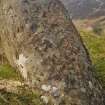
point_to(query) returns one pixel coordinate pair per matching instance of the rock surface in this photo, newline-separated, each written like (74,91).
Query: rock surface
(40,40)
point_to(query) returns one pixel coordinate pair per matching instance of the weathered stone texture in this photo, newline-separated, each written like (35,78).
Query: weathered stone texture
(39,39)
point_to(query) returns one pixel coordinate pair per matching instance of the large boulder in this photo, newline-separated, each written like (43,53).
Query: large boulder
(40,40)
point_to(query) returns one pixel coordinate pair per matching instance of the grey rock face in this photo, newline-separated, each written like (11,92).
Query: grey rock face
(40,40)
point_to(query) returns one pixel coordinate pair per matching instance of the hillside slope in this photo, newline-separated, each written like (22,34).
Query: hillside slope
(85,8)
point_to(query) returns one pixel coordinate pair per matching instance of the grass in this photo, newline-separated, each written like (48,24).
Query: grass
(25,97)
(8,72)
(96,47)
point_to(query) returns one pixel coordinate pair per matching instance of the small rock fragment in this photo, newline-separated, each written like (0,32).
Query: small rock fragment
(83,90)
(55,92)
(45,99)
(46,87)
(90,85)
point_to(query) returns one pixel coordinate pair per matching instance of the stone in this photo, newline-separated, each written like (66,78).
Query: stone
(55,92)
(46,88)
(45,99)
(90,85)
(39,39)
(83,90)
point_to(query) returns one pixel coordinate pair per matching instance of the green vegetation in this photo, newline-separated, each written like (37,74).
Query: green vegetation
(25,97)
(96,47)
(98,29)
(7,72)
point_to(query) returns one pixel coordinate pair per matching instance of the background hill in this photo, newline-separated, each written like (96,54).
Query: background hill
(85,8)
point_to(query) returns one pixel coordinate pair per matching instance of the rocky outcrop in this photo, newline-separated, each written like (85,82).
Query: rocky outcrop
(40,40)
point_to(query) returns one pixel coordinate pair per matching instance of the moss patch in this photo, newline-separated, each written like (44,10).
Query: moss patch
(7,72)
